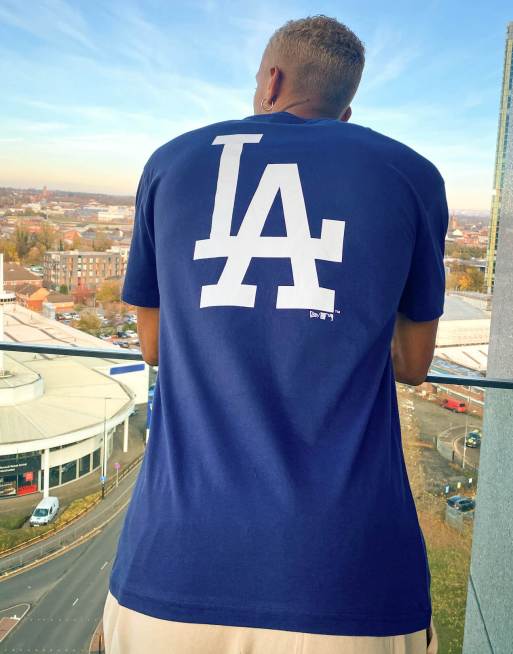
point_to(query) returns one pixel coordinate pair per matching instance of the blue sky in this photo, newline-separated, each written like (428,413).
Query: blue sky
(90,89)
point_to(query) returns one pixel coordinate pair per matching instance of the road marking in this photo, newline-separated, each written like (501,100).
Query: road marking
(75,602)
(106,563)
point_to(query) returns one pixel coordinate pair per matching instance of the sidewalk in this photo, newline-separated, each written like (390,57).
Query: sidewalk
(90,482)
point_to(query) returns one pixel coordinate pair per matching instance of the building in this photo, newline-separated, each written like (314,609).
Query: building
(15,275)
(31,296)
(75,269)
(504,133)
(489,605)
(56,411)
(115,214)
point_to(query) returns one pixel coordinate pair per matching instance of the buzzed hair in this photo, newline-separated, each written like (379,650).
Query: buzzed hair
(322,57)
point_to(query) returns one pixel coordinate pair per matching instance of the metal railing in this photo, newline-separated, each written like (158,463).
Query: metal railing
(107,353)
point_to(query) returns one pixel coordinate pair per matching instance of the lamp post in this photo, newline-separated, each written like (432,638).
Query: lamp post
(466,431)
(104,458)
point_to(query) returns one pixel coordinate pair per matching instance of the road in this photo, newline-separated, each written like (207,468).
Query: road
(95,516)
(66,595)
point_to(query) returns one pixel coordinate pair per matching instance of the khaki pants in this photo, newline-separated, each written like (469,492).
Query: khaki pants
(130,632)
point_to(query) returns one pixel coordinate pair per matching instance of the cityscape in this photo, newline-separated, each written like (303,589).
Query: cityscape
(76,399)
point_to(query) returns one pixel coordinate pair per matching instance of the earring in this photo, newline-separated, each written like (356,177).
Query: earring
(266,108)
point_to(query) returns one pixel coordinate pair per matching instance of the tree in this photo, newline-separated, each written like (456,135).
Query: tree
(109,291)
(476,280)
(23,242)
(8,247)
(81,295)
(89,322)
(47,236)
(77,243)
(101,242)
(34,256)
(63,289)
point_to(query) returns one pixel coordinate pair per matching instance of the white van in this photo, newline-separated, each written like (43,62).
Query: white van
(45,511)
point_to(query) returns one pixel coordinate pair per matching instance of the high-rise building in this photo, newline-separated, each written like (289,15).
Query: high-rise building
(504,133)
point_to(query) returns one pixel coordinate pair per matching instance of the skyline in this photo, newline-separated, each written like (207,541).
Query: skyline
(91,92)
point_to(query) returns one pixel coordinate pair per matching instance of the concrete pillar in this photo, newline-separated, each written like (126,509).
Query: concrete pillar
(46,468)
(125,435)
(488,623)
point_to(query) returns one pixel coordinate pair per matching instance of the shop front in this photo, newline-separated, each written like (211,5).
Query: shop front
(19,473)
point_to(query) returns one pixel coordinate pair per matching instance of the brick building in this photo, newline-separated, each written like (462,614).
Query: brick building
(77,269)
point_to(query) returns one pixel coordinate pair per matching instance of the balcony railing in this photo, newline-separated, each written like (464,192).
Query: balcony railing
(106,353)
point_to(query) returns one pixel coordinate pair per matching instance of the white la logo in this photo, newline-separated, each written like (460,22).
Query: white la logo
(298,245)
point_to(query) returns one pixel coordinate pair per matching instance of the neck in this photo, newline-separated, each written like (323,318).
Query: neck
(305,112)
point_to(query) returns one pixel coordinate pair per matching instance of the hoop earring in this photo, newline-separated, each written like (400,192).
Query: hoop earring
(266,108)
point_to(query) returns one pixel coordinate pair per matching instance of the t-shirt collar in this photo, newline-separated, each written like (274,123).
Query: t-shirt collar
(277,117)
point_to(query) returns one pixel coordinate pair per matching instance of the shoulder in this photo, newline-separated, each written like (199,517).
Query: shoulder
(414,167)
(184,143)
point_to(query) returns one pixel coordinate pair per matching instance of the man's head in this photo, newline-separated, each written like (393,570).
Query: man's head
(313,64)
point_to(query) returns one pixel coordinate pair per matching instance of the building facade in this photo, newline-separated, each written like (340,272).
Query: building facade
(76,269)
(503,136)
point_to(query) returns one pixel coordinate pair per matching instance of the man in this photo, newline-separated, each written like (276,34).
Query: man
(288,269)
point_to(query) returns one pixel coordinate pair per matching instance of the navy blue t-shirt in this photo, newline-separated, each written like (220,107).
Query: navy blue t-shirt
(273,491)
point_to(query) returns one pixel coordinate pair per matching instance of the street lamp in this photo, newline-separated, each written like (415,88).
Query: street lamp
(104,461)
(466,431)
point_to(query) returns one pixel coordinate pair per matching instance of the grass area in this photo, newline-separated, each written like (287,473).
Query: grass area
(12,532)
(449,561)
(449,550)
(12,521)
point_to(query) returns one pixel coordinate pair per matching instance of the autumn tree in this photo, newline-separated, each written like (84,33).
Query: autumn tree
(47,236)
(89,322)
(8,248)
(101,242)
(109,291)
(34,255)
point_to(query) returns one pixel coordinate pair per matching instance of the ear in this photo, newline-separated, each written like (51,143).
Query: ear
(274,82)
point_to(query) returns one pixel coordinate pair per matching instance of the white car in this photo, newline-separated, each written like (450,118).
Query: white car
(45,511)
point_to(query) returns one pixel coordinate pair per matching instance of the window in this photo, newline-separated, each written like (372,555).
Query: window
(54,476)
(68,471)
(96,458)
(84,465)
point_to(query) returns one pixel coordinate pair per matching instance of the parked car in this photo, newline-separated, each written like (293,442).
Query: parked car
(454,499)
(461,503)
(465,505)
(45,511)
(473,438)
(454,405)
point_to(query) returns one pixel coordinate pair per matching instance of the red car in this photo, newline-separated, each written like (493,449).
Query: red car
(454,405)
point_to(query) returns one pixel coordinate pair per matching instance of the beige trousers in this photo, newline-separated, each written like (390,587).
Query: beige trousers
(130,632)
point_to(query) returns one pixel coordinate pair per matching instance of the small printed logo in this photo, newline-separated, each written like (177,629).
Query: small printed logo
(323,315)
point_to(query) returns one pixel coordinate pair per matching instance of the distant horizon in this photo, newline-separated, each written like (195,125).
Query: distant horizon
(131,195)
(91,91)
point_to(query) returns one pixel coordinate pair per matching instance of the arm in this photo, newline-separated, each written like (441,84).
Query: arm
(148,332)
(413,345)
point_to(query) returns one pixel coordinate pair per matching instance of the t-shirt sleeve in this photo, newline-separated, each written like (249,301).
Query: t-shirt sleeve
(140,286)
(423,295)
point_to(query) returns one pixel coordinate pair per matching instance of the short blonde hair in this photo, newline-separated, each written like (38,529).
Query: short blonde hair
(323,58)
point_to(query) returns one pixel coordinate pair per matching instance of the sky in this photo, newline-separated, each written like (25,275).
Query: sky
(90,89)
